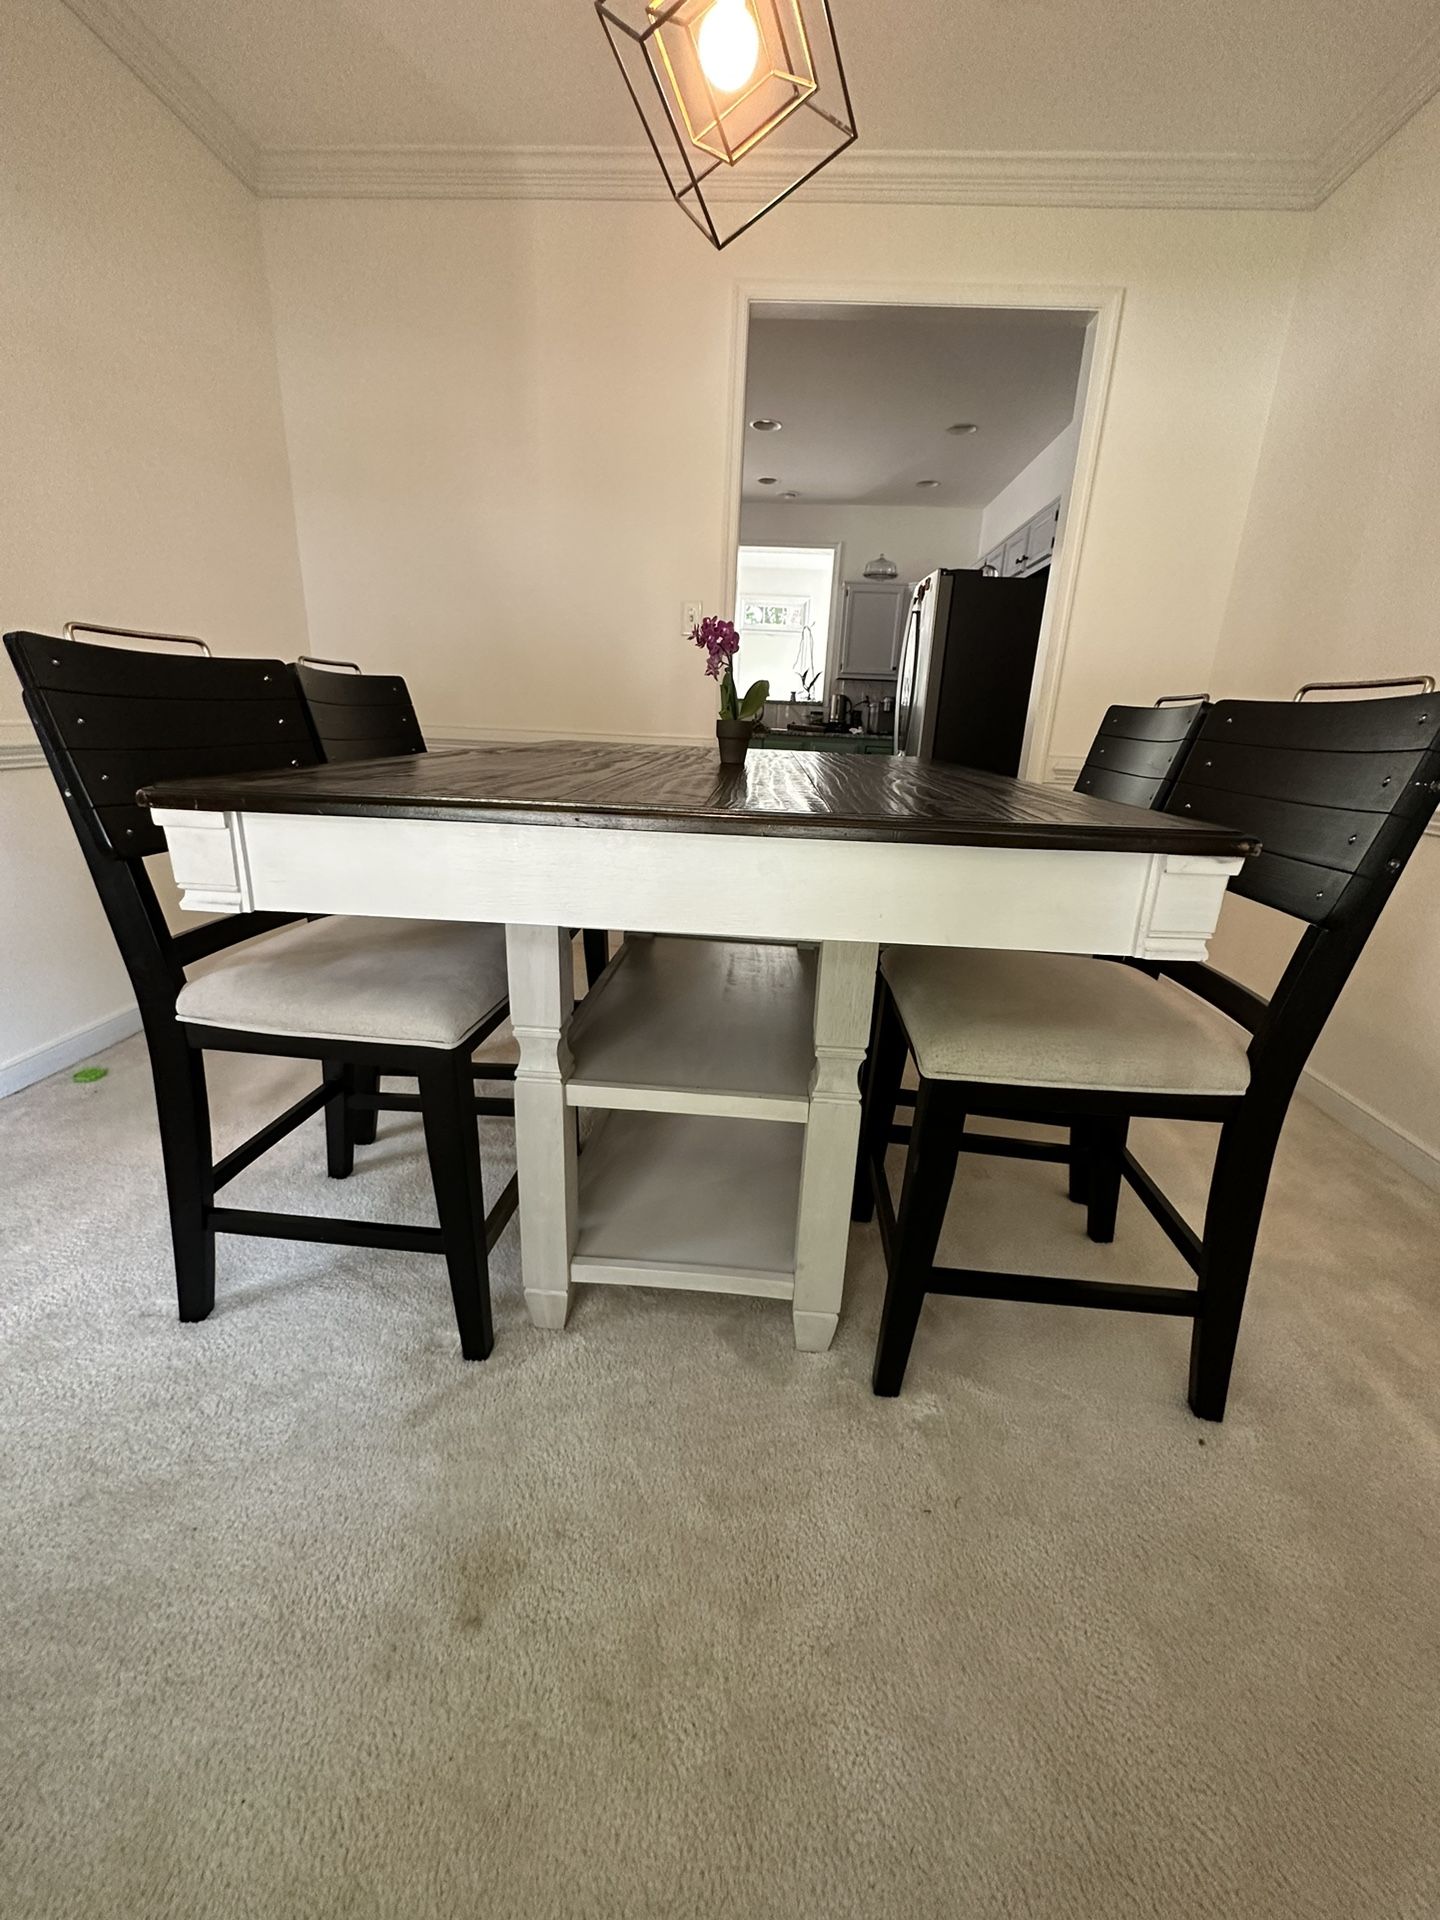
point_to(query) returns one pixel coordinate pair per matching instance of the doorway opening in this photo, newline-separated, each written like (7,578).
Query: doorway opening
(919,442)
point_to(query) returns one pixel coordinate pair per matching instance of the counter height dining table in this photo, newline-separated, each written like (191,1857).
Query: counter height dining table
(723,1069)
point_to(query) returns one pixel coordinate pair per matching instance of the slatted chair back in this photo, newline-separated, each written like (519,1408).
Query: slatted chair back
(355,715)
(110,720)
(1339,793)
(1138,751)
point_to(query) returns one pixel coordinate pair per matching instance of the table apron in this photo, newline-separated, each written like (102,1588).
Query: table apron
(1162,906)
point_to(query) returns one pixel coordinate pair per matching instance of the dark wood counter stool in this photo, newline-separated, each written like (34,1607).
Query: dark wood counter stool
(1339,793)
(355,995)
(1135,757)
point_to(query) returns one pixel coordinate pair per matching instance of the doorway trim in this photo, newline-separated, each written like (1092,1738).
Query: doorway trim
(1097,366)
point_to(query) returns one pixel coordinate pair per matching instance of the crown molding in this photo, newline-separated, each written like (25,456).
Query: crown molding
(865,176)
(171,82)
(1380,118)
(869,177)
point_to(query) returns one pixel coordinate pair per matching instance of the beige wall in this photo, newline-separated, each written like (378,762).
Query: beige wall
(1339,575)
(1047,478)
(146,478)
(917,539)
(509,428)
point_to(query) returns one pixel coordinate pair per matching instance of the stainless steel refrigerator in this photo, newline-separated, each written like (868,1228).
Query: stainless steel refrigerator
(967,667)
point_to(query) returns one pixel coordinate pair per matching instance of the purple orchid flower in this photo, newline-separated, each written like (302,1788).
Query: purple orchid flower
(720,641)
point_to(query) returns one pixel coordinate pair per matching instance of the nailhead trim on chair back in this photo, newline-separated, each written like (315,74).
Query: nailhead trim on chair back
(112,719)
(1338,792)
(359,716)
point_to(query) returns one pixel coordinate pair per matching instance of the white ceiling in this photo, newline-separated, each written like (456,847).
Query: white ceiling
(1249,101)
(864,396)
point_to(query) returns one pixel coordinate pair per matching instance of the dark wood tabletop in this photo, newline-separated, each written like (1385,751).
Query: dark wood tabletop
(685,789)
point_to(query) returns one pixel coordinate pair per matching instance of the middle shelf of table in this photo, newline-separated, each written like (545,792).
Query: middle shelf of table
(721,1027)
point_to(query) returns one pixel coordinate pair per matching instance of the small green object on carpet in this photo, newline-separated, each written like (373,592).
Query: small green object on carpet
(87,1074)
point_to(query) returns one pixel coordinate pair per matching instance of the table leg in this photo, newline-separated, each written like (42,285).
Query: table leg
(844,994)
(541,966)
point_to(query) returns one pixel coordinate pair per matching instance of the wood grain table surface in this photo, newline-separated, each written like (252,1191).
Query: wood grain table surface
(685,789)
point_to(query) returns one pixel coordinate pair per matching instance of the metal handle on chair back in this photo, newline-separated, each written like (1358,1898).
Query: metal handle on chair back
(72,627)
(1422,682)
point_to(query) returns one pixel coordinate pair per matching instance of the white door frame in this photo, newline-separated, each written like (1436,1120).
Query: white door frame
(1103,302)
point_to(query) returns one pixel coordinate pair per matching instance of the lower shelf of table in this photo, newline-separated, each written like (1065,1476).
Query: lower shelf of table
(690,1201)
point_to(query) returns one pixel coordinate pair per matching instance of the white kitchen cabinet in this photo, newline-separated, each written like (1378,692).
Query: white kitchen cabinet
(1027,549)
(1041,542)
(872,623)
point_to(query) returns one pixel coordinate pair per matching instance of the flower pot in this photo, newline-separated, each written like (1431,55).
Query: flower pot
(733,737)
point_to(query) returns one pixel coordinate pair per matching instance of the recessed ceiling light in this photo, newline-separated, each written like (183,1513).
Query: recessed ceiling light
(927,483)
(766,425)
(962,426)
(766,480)
(789,496)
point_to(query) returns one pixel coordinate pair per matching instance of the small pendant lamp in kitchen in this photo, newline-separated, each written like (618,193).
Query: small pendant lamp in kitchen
(743,101)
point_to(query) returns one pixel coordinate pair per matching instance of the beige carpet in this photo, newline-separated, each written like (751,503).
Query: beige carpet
(299,1616)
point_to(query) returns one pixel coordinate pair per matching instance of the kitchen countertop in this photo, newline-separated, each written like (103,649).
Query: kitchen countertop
(818,740)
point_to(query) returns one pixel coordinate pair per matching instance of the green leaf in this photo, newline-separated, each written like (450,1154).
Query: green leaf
(754,700)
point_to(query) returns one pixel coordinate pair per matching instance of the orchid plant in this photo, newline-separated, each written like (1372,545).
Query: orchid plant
(721,643)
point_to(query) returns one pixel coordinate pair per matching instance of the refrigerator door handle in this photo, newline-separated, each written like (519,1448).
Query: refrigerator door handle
(904,680)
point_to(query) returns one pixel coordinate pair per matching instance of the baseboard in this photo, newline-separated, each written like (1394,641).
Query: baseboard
(26,1068)
(1394,1142)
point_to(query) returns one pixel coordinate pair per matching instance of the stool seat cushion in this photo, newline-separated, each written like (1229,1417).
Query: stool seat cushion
(412,983)
(1060,1020)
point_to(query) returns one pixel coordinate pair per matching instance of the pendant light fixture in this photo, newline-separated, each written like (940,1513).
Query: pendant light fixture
(742,101)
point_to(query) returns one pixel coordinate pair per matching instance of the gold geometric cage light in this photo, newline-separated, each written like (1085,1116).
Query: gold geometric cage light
(742,100)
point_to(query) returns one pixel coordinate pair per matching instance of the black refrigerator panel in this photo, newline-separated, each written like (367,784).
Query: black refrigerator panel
(982,670)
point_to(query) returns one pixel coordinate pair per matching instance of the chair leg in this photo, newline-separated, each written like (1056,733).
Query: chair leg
(447,1099)
(339,1139)
(1104,1144)
(1232,1225)
(363,1121)
(929,1176)
(595,944)
(183,1110)
(885,1069)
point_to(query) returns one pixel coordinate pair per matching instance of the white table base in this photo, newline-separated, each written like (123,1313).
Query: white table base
(846,896)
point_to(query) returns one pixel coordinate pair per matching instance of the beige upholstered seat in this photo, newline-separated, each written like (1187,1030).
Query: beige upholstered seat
(420,983)
(1060,1020)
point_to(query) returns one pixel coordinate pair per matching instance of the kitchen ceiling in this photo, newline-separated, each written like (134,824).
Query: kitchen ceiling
(864,396)
(1246,101)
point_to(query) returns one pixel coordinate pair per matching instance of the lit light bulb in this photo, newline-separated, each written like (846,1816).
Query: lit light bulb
(729,45)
